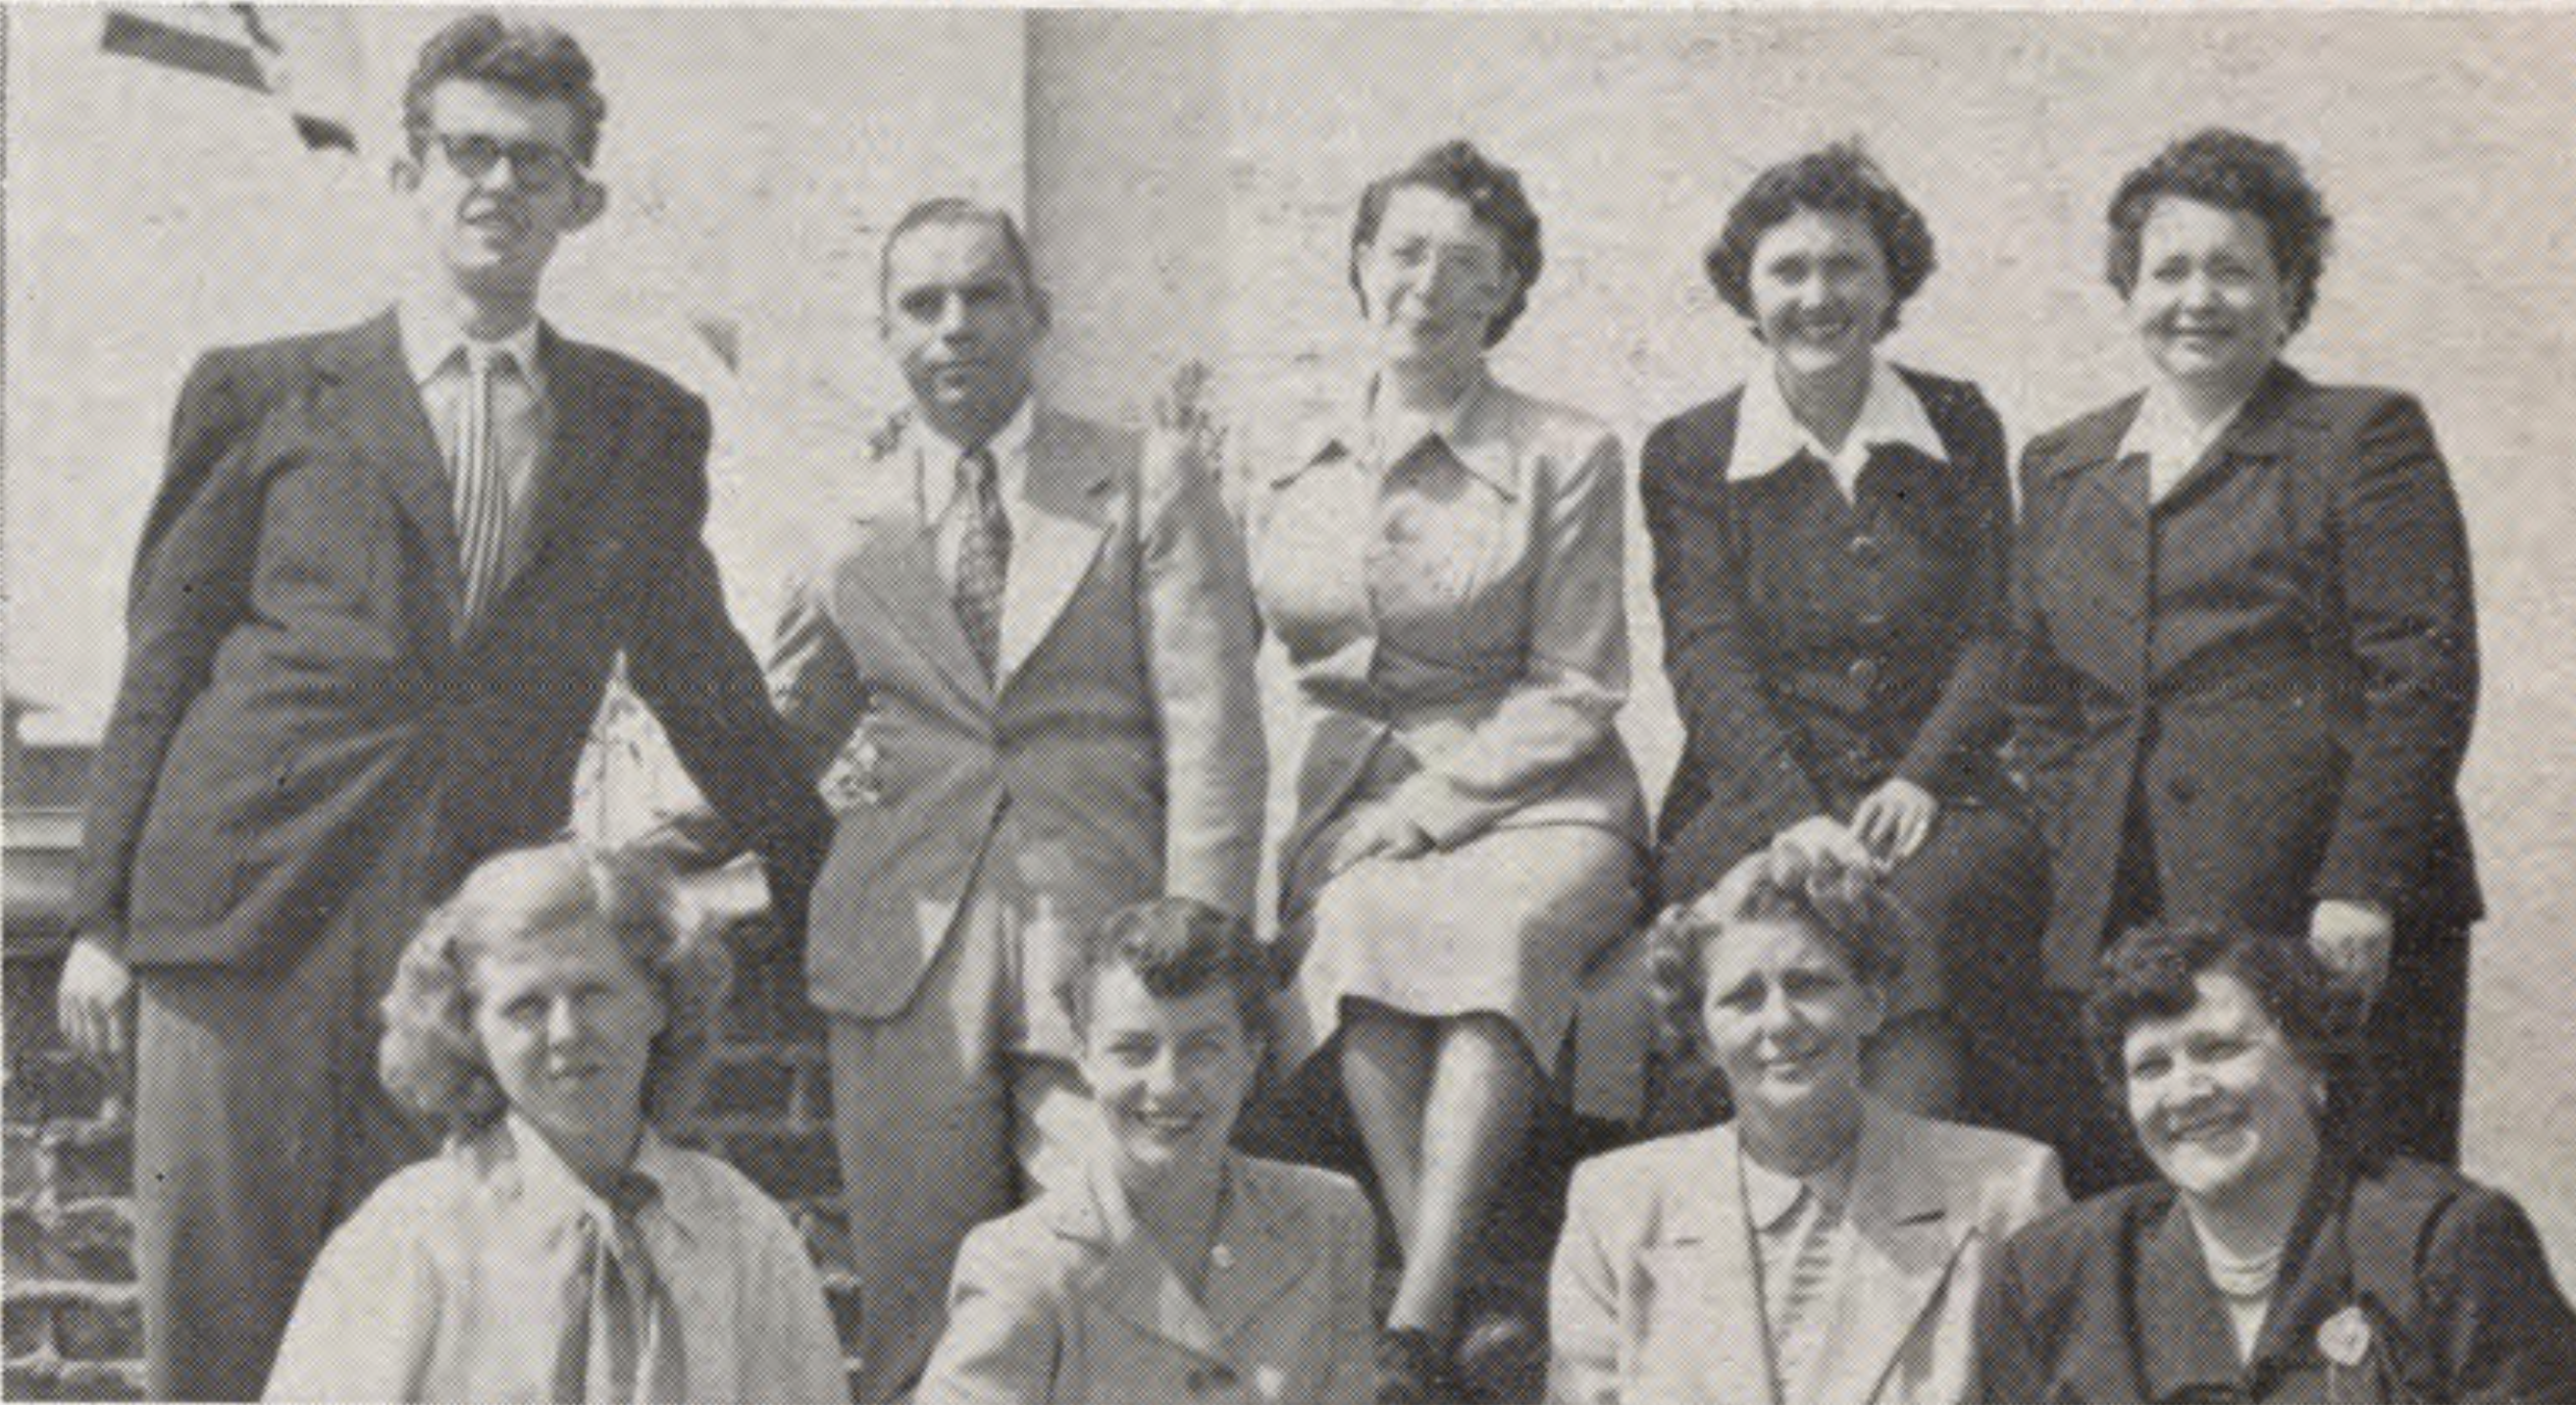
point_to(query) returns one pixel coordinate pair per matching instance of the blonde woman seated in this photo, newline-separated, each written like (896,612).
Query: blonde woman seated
(1823,1246)
(1172,1269)
(559,1249)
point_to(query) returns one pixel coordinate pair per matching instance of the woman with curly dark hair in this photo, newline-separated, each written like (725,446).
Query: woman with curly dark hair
(2248,645)
(1831,558)
(558,1248)
(1824,1245)
(2274,1256)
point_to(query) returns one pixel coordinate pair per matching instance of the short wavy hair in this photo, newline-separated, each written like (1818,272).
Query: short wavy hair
(1839,180)
(1490,190)
(2231,171)
(521,56)
(1847,908)
(431,1059)
(1178,947)
(2152,973)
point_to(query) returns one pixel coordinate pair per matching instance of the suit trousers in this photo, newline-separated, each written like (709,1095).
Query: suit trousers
(946,1115)
(260,1124)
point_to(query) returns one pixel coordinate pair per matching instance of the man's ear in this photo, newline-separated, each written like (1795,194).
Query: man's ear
(1039,305)
(403,174)
(589,202)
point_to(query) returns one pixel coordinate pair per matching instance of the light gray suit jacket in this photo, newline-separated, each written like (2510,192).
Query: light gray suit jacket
(1065,1301)
(1118,757)
(1654,1300)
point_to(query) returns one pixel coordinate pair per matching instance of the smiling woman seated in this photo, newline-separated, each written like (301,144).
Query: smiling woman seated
(558,1248)
(1823,1246)
(1171,1268)
(2276,1257)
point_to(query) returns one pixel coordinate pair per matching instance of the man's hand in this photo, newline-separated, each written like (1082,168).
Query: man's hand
(95,1004)
(2353,940)
(1896,819)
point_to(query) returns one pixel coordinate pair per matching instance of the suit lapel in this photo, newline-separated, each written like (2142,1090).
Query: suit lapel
(1261,1236)
(2259,431)
(1725,1361)
(894,566)
(368,393)
(1129,1280)
(588,422)
(1904,1243)
(1057,537)
(2184,1340)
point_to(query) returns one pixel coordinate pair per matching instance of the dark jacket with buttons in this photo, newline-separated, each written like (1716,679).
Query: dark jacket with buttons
(2406,1282)
(1817,645)
(2276,666)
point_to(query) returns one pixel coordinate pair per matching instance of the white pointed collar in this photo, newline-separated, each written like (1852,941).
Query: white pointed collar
(1768,436)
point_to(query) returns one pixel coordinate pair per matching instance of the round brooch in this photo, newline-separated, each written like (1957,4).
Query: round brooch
(2345,1337)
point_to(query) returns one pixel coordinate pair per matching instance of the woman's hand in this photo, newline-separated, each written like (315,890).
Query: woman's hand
(2353,940)
(1821,841)
(1381,831)
(94,1003)
(1895,820)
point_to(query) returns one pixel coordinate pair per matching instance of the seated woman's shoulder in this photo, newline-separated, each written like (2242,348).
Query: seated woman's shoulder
(1550,424)
(1303,1185)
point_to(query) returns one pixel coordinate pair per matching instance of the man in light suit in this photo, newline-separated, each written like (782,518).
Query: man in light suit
(1023,667)
(374,609)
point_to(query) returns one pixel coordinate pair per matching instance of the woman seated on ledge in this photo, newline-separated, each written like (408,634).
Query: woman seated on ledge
(1823,1246)
(2276,1258)
(1171,1269)
(558,1248)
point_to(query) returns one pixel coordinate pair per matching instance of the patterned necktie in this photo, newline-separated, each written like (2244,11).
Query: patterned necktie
(482,491)
(617,1297)
(983,556)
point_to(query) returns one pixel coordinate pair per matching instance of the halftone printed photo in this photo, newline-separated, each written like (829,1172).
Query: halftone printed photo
(1780,705)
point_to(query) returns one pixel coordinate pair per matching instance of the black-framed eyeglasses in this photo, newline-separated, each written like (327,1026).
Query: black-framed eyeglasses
(539,165)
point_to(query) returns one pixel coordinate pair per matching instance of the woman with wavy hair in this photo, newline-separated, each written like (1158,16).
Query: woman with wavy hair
(558,1248)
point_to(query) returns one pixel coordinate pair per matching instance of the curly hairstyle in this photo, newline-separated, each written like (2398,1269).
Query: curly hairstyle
(1490,190)
(1845,907)
(1839,180)
(524,57)
(2152,973)
(2231,171)
(432,1060)
(1177,947)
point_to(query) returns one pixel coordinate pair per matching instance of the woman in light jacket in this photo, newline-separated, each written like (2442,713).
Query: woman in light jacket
(1442,561)
(1822,1247)
(1170,1268)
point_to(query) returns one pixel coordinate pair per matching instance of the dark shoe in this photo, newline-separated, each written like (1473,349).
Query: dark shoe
(1502,1357)
(1410,1370)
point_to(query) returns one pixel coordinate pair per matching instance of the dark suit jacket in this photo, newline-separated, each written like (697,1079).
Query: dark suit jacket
(2111,1301)
(2277,664)
(295,687)
(1819,646)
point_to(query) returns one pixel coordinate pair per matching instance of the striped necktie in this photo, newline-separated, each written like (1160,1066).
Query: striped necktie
(983,556)
(480,482)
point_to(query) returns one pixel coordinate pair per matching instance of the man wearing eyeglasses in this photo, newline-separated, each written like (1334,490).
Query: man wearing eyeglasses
(375,605)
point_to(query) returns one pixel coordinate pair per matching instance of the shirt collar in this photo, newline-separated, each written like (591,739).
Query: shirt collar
(1768,435)
(940,455)
(1467,428)
(545,1178)
(1771,1197)
(2170,438)
(431,335)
